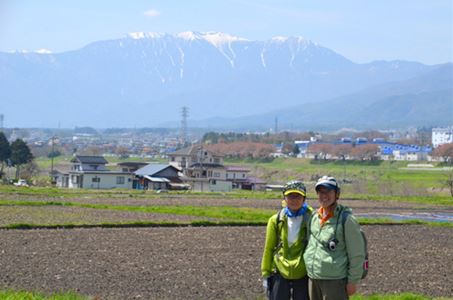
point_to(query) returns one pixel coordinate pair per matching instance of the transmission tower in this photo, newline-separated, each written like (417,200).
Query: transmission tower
(276,125)
(183,133)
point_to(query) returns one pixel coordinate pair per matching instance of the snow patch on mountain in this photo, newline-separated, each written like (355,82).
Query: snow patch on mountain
(43,51)
(144,35)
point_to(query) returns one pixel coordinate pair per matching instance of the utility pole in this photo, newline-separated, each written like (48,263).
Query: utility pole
(183,133)
(51,160)
(2,118)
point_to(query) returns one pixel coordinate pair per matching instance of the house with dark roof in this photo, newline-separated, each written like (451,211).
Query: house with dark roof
(158,177)
(90,172)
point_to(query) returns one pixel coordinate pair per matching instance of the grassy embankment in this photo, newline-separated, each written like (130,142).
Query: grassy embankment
(367,180)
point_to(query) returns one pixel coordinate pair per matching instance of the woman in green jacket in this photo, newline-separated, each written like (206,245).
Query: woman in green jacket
(335,253)
(282,266)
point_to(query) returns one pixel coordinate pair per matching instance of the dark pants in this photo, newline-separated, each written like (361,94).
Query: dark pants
(285,289)
(327,289)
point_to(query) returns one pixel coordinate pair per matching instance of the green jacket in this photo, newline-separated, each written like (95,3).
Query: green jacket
(288,260)
(347,260)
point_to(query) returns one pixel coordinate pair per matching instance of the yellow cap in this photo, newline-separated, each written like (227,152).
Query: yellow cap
(300,192)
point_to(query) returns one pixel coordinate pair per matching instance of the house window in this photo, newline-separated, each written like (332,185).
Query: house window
(213,182)
(216,160)
(119,179)
(74,179)
(243,175)
(96,179)
(125,170)
(227,175)
(172,158)
(216,174)
(209,173)
(203,173)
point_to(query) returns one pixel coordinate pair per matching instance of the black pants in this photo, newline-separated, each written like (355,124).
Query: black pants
(286,289)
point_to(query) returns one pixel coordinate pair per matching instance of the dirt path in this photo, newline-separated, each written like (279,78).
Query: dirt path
(203,263)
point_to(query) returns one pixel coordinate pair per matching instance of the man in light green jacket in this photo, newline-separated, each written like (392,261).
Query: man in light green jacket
(335,253)
(282,266)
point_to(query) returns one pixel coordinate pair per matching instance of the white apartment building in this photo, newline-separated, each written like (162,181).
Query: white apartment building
(442,136)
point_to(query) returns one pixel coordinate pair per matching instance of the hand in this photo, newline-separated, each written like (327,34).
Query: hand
(351,288)
(265,282)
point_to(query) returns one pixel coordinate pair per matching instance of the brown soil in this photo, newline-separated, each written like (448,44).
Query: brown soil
(51,215)
(203,262)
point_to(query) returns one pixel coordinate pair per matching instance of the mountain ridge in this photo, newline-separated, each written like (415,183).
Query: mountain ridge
(154,77)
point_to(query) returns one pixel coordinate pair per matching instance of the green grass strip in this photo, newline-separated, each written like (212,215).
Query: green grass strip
(436,200)
(25,295)
(404,296)
(217,212)
(53,192)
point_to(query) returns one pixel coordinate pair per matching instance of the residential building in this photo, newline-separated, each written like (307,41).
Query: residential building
(237,176)
(442,136)
(186,157)
(90,172)
(203,169)
(158,177)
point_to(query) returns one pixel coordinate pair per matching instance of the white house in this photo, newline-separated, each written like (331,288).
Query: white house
(90,172)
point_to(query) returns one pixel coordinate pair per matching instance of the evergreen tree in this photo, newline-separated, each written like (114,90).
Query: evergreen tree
(5,152)
(296,150)
(20,154)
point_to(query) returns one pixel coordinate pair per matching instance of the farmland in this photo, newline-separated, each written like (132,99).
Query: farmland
(145,245)
(129,244)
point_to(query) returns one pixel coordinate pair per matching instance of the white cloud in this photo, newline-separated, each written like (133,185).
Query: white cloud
(151,13)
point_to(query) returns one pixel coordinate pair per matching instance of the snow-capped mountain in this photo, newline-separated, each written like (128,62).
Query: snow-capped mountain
(144,79)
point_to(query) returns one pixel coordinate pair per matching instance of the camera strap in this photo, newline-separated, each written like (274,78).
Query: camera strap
(326,243)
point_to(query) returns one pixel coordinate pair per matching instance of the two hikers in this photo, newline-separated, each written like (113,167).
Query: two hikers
(331,250)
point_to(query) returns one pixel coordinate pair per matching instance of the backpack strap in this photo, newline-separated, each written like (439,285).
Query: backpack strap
(307,218)
(344,215)
(280,216)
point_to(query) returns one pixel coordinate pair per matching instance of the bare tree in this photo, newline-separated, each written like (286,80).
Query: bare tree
(444,151)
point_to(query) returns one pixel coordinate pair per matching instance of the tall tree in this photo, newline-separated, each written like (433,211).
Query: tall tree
(5,151)
(20,154)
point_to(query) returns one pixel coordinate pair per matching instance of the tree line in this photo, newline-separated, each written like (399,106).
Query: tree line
(15,154)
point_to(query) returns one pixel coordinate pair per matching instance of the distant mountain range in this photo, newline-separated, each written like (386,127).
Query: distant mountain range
(227,82)
(424,100)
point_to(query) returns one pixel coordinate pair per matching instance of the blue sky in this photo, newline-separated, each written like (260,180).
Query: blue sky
(361,30)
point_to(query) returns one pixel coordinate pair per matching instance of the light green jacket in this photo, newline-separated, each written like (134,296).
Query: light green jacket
(288,260)
(347,260)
